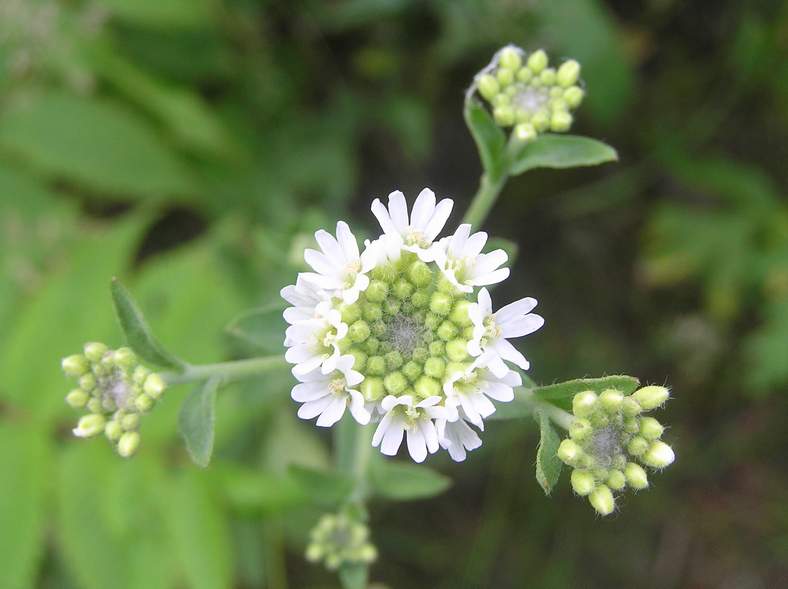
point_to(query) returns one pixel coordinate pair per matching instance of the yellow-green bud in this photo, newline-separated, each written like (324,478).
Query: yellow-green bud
(488,86)
(650,428)
(459,314)
(611,400)
(377,291)
(395,382)
(537,61)
(584,403)
(637,446)
(77,398)
(419,273)
(124,357)
(616,480)
(580,429)
(434,367)
(569,452)
(524,132)
(447,331)
(372,388)
(90,425)
(130,421)
(602,501)
(504,116)
(560,121)
(510,58)
(128,444)
(568,73)
(582,482)
(87,382)
(359,331)
(651,397)
(376,365)
(154,385)
(636,476)
(457,350)
(547,77)
(659,455)
(540,121)
(143,403)
(351,313)
(630,407)
(505,77)
(427,387)
(94,351)
(440,303)
(75,365)
(113,430)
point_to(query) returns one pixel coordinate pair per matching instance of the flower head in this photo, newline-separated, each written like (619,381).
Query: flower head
(400,350)
(611,441)
(525,92)
(338,540)
(116,390)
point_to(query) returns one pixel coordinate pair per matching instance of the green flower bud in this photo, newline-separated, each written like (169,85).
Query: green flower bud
(650,428)
(637,446)
(395,382)
(560,121)
(488,86)
(630,407)
(659,455)
(510,58)
(75,365)
(359,331)
(143,403)
(94,351)
(447,331)
(434,367)
(651,397)
(569,452)
(440,303)
(525,132)
(427,387)
(547,77)
(616,480)
(568,73)
(504,116)
(77,398)
(351,313)
(582,482)
(130,422)
(602,501)
(580,429)
(537,61)
(574,96)
(154,386)
(505,77)
(457,350)
(87,382)
(636,476)
(90,425)
(95,406)
(377,291)
(113,430)
(372,312)
(583,404)
(128,444)
(376,365)
(611,400)
(372,388)
(420,274)
(412,370)
(124,358)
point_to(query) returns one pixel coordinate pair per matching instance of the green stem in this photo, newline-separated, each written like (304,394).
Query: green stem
(561,418)
(226,371)
(362,452)
(489,189)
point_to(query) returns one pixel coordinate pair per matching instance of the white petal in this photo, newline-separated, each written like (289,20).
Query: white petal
(347,242)
(520,326)
(382,215)
(333,412)
(381,429)
(398,210)
(417,446)
(314,408)
(423,209)
(515,309)
(439,218)
(330,246)
(319,262)
(486,263)
(430,433)
(309,391)
(392,439)
(357,408)
(475,244)
(508,352)
(491,278)
(485,302)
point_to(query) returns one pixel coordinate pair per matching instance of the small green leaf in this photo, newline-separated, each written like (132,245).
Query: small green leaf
(490,140)
(262,327)
(324,486)
(255,492)
(138,334)
(402,482)
(196,420)
(548,465)
(561,151)
(354,576)
(561,393)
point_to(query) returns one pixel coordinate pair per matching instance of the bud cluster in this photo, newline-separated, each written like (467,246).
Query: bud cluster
(116,390)
(524,92)
(338,540)
(611,440)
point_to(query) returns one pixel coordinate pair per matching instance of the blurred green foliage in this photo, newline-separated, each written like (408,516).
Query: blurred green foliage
(192,147)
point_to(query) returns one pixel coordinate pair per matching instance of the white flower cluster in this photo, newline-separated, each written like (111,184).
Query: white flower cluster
(399,334)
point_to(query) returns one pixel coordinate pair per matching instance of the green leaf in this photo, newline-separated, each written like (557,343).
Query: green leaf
(24,457)
(490,140)
(166,14)
(402,481)
(548,465)
(196,421)
(256,492)
(324,486)
(564,391)
(138,333)
(262,327)
(354,576)
(95,143)
(561,151)
(201,539)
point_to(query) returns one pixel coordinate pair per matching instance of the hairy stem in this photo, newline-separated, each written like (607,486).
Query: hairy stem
(561,418)
(226,371)
(489,189)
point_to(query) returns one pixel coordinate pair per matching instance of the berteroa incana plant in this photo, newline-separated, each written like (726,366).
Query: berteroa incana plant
(397,339)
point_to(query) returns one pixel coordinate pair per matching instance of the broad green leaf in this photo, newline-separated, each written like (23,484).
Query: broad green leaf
(490,140)
(196,421)
(354,576)
(25,460)
(326,487)
(96,143)
(561,151)
(69,308)
(262,328)
(186,14)
(548,465)
(138,333)
(401,481)
(257,492)
(201,538)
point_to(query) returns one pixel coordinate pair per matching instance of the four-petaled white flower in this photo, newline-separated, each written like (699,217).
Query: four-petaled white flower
(419,230)
(457,437)
(472,390)
(314,343)
(415,420)
(339,266)
(492,330)
(460,259)
(328,395)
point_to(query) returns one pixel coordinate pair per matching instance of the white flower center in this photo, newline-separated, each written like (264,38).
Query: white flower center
(405,334)
(531,99)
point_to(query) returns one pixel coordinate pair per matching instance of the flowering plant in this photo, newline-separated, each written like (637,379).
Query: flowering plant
(397,339)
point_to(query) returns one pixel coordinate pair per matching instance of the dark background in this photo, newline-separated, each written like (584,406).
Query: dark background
(193,146)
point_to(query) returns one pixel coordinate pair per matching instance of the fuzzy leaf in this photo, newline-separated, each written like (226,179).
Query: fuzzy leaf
(402,482)
(561,393)
(490,140)
(262,327)
(138,333)
(561,151)
(325,486)
(196,421)
(548,465)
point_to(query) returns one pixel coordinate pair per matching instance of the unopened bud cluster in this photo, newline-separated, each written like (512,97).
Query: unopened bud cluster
(338,540)
(611,441)
(115,390)
(526,93)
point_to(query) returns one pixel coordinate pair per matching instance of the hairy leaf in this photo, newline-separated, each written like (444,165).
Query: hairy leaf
(561,151)
(548,465)
(402,481)
(196,421)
